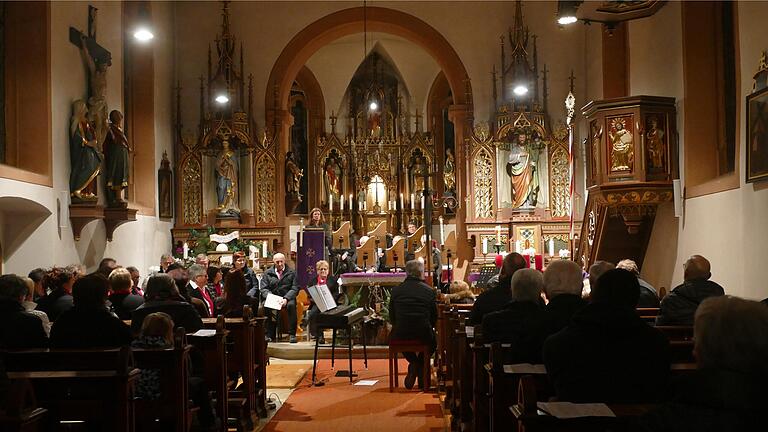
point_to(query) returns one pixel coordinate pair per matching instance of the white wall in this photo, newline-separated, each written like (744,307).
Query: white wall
(138,243)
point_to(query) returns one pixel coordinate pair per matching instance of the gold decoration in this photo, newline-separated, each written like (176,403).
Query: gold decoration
(265,190)
(591,227)
(596,134)
(622,146)
(482,132)
(483,184)
(192,196)
(560,180)
(654,138)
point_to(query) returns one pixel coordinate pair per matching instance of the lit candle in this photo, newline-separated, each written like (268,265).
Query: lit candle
(330,203)
(350,204)
(301,231)
(442,231)
(402,207)
(485,245)
(342,204)
(422,202)
(413,202)
(517,246)
(264,249)
(498,234)
(551,247)
(186,250)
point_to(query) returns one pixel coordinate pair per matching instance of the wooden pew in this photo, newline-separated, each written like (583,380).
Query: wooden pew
(21,413)
(677,333)
(94,385)
(213,350)
(648,314)
(172,411)
(456,355)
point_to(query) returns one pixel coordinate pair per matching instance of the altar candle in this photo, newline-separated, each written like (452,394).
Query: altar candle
(350,205)
(186,250)
(342,204)
(442,231)
(402,206)
(485,245)
(264,249)
(551,247)
(330,203)
(517,246)
(413,202)
(498,234)
(422,202)
(301,231)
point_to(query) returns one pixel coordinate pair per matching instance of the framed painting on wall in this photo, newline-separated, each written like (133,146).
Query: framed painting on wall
(757,136)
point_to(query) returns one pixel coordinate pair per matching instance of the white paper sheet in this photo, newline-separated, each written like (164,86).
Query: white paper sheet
(525,368)
(273,302)
(322,297)
(366,382)
(566,410)
(470,331)
(204,333)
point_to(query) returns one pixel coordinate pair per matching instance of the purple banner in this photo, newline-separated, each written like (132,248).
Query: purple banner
(309,253)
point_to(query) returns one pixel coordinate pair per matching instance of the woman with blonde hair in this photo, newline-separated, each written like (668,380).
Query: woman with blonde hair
(460,293)
(123,302)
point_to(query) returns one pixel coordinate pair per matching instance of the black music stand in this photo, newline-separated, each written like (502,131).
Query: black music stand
(348,327)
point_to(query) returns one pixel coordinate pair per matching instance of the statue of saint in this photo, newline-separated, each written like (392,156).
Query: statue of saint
(622,150)
(333,176)
(97,101)
(226,181)
(84,155)
(116,151)
(449,171)
(416,173)
(293,175)
(655,139)
(521,166)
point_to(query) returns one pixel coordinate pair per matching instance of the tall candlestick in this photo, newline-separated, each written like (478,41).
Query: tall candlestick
(413,202)
(422,202)
(264,249)
(301,231)
(551,247)
(498,234)
(330,203)
(402,207)
(350,205)
(342,204)
(485,245)
(186,250)
(442,231)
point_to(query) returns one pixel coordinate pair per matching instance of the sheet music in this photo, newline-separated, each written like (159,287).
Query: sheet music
(273,302)
(322,297)
(525,368)
(567,410)
(203,333)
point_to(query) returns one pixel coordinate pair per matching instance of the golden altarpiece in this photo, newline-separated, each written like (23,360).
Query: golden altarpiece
(519,168)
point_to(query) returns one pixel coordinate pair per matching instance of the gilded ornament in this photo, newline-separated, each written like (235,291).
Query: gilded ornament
(622,147)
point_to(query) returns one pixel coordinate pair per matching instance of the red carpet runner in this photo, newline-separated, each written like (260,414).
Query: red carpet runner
(340,406)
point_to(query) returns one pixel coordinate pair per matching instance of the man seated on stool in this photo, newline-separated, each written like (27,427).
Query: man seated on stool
(279,280)
(413,312)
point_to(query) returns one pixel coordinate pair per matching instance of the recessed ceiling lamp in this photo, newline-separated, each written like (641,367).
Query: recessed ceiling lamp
(520,90)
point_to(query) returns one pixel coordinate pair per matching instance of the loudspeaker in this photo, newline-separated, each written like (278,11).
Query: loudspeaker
(678,197)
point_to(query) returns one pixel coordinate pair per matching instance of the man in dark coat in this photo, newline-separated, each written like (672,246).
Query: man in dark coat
(608,354)
(18,329)
(497,296)
(679,306)
(279,280)
(162,295)
(89,324)
(519,321)
(649,298)
(413,313)
(563,285)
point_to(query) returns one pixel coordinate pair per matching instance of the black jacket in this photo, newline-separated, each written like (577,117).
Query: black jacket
(92,327)
(559,311)
(490,300)
(193,292)
(183,314)
(649,298)
(123,304)
(251,281)
(413,311)
(519,324)
(679,306)
(608,354)
(55,304)
(712,401)
(284,287)
(19,329)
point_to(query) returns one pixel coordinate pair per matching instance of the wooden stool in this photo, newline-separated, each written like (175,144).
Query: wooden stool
(415,346)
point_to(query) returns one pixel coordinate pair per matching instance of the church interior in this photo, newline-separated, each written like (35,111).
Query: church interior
(326,160)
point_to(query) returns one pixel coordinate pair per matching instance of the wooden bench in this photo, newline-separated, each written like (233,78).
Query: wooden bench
(214,354)
(677,333)
(91,385)
(20,412)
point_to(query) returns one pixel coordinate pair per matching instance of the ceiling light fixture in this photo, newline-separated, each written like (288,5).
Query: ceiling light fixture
(143,34)
(520,90)
(566,12)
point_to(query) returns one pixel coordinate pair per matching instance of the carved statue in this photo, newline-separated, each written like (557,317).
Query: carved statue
(622,150)
(97,101)
(597,134)
(449,171)
(416,173)
(226,181)
(293,175)
(521,167)
(84,155)
(116,151)
(333,178)
(655,139)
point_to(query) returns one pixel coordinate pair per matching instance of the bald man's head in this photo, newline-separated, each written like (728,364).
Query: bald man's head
(696,267)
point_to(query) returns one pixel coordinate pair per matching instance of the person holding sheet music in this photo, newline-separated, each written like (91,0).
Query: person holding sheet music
(279,280)
(323,278)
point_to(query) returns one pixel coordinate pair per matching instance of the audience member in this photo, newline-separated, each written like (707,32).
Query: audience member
(497,296)
(595,271)
(323,268)
(163,296)
(18,329)
(196,288)
(459,293)
(607,353)
(106,266)
(58,281)
(413,313)
(123,302)
(563,286)
(518,323)
(136,278)
(215,280)
(679,306)
(89,324)
(31,307)
(233,297)
(157,333)
(727,391)
(165,261)
(37,275)
(202,260)
(279,280)
(251,281)
(649,298)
